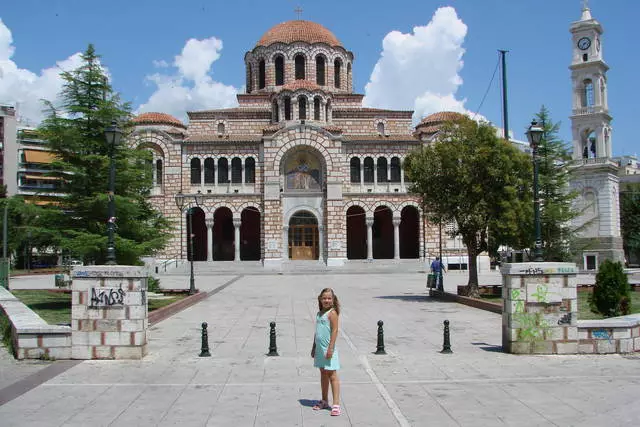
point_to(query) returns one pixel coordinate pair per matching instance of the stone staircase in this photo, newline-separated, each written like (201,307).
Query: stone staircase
(207,268)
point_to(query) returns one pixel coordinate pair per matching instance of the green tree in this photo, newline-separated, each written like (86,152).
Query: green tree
(630,219)
(556,199)
(612,294)
(75,132)
(470,176)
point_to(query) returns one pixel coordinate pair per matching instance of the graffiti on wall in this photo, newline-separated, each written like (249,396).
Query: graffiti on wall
(532,326)
(106,297)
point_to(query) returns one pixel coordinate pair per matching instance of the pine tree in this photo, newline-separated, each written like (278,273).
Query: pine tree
(75,133)
(556,199)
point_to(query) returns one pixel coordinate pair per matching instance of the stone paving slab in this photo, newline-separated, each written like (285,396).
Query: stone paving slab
(412,385)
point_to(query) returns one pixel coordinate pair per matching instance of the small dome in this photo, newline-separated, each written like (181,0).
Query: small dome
(298,31)
(158,119)
(442,116)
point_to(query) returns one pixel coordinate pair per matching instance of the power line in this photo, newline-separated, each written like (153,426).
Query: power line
(488,87)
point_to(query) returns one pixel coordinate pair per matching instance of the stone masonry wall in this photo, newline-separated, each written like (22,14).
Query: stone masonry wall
(109,312)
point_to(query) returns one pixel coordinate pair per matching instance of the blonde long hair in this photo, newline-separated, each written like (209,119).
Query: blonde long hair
(336,303)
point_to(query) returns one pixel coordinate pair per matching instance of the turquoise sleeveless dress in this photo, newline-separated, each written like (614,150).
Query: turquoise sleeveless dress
(323,337)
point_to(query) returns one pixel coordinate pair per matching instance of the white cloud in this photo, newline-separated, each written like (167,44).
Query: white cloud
(191,87)
(160,64)
(420,71)
(25,88)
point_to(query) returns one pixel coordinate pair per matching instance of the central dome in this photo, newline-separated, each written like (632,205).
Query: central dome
(298,31)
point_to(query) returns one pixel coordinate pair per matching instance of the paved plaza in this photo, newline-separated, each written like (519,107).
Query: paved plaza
(413,384)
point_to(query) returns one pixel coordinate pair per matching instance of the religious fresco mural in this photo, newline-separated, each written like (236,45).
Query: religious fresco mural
(302,171)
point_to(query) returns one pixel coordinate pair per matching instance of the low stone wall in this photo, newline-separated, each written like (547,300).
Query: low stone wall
(33,338)
(613,335)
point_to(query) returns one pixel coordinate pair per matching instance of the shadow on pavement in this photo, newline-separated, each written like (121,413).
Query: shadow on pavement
(412,298)
(489,347)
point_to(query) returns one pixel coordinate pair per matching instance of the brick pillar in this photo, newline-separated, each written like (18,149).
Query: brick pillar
(109,312)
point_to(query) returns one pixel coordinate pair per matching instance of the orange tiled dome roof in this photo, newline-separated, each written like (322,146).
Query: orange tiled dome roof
(442,116)
(158,119)
(298,31)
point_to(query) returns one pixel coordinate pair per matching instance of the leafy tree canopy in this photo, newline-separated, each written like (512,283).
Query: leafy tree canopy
(630,219)
(470,176)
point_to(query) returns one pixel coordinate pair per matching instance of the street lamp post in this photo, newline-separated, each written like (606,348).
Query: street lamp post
(535,135)
(181,200)
(112,135)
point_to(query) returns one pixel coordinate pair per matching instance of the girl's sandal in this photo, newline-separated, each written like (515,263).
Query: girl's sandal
(320,404)
(335,410)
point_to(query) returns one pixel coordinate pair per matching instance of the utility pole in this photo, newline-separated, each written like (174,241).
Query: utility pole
(505,113)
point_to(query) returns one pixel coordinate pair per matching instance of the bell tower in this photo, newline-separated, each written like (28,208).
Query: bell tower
(595,175)
(590,119)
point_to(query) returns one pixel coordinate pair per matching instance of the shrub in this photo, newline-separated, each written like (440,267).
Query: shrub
(612,294)
(153,284)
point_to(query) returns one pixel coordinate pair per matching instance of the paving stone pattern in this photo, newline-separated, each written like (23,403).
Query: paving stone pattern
(413,384)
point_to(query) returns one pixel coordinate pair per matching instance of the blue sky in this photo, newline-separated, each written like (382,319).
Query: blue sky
(140,41)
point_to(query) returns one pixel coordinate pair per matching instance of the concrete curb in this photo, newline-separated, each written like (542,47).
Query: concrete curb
(471,302)
(167,311)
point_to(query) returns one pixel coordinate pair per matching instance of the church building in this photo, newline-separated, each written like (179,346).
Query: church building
(300,170)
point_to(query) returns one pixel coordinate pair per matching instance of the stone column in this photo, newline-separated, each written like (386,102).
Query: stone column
(243,174)
(294,108)
(154,171)
(396,238)
(202,173)
(228,173)
(285,243)
(215,172)
(209,223)
(389,171)
(361,174)
(375,174)
(369,222)
(321,243)
(237,222)
(401,177)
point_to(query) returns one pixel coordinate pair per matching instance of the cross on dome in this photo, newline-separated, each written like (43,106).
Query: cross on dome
(298,11)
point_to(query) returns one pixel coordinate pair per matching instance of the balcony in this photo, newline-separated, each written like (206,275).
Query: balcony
(583,111)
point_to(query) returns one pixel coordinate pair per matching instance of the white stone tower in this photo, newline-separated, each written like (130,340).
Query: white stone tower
(595,176)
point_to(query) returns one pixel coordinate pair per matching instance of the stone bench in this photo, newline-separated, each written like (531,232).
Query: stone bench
(32,337)
(613,335)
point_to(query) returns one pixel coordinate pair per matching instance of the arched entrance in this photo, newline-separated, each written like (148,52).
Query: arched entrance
(409,233)
(356,233)
(199,235)
(303,236)
(382,233)
(250,235)
(223,235)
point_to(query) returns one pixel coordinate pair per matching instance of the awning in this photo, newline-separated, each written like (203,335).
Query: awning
(42,177)
(38,156)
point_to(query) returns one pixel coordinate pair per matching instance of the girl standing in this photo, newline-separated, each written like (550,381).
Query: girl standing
(324,352)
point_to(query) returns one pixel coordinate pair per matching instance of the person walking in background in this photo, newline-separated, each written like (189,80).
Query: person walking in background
(437,268)
(324,351)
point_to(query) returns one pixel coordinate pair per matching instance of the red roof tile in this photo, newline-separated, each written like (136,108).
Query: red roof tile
(442,116)
(158,119)
(298,31)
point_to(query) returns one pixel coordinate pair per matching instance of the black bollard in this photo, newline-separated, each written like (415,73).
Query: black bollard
(446,346)
(273,349)
(204,352)
(380,346)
